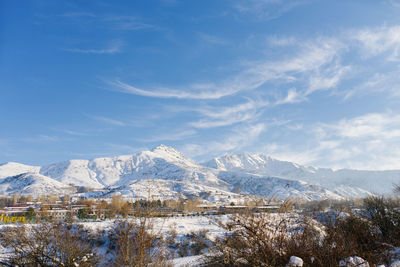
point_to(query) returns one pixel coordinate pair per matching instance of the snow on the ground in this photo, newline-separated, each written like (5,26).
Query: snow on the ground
(192,261)
(182,225)
(188,224)
(295,262)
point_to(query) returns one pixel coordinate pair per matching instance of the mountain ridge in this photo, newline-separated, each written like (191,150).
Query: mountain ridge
(254,174)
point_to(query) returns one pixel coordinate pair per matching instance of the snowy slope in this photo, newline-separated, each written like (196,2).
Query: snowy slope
(344,182)
(170,189)
(161,163)
(14,168)
(32,184)
(254,184)
(169,174)
(72,172)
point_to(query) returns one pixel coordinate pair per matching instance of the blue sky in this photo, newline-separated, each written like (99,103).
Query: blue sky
(314,82)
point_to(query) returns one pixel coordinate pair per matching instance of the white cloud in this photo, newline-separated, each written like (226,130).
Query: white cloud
(108,120)
(170,136)
(330,78)
(74,133)
(42,138)
(370,141)
(377,125)
(281,40)
(379,40)
(224,116)
(113,48)
(287,153)
(212,39)
(194,91)
(127,23)
(377,83)
(292,97)
(239,138)
(313,56)
(266,9)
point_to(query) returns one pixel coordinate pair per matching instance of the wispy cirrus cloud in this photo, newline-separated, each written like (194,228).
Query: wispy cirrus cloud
(70,132)
(110,21)
(126,23)
(114,48)
(240,137)
(194,91)
(313,57)
(267,9)
(292,97)
(212,39)
(275,40)
(75,133)
(377,83)
(107,120)
(375,41)
(229,115)
(41,138)
(171,136)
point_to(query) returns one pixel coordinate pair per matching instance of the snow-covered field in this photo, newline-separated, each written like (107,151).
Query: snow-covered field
(163,226)
(183,226)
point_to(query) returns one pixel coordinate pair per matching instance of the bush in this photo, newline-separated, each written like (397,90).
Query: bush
(265,240)
(48,245)
(384,214)
(349,236)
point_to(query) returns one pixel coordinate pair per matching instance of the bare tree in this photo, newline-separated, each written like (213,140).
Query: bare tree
(137,243)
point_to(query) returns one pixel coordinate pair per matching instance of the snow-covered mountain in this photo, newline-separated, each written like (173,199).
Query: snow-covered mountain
(163,162)
(33,184)
(165,173)
(13,168)
(343,182)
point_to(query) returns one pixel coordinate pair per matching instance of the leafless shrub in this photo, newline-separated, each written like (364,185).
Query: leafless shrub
(263,240)
(384,214)
(47,245)
(287,205)
(349,236)
(194,243)
(136,244)
(316,205)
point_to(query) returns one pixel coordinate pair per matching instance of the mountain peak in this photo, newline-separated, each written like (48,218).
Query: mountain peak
(166,149)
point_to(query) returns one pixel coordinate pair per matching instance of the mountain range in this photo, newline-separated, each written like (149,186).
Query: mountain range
(165,173)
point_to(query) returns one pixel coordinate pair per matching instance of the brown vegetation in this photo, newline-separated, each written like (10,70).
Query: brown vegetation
(47,245)
(270,240)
